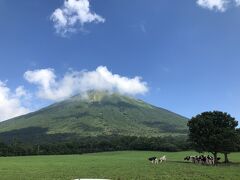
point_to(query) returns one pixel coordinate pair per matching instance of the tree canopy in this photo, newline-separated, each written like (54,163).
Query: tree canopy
(214,132)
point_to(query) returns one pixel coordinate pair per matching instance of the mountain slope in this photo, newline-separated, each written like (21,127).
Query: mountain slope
(99,114)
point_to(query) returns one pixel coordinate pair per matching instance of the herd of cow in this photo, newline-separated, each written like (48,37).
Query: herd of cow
(202,159)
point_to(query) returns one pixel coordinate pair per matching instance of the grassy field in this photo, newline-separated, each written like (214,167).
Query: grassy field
(113,165)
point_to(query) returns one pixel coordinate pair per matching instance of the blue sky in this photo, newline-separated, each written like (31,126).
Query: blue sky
(186,51)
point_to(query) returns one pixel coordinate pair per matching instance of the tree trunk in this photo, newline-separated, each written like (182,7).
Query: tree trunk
(215,158)
(226,158)
(38,149)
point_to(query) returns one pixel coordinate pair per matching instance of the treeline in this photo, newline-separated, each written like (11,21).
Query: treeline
(95,144)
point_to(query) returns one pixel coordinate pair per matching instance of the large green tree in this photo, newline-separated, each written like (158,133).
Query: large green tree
(238,132)
(214,132)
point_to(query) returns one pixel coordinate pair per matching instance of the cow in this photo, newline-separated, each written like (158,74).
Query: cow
(191,158)
(187,158)
(210,160)
(153,160)
(162,159)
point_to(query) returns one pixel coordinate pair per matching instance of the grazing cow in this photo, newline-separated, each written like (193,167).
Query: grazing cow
(194,159)
(187,158)
(162,159)
(210,160)
(191,158)
(153,160)
(202,159)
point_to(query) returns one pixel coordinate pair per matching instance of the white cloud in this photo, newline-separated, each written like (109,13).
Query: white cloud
(10,103)
(74,14)
(52,88)
(20,91)
(218,5)
(237,2)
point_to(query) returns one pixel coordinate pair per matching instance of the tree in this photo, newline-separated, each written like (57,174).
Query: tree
(238,132)
(214,132)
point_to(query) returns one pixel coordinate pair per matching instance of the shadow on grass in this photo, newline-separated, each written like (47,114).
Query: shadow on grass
(229,164)
(182,162)
(219,164)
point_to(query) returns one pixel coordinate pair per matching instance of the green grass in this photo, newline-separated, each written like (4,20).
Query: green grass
(114,165)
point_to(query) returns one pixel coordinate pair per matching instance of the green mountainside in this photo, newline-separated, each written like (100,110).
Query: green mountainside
(101,114)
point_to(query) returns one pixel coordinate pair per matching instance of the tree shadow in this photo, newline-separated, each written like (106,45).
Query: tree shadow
(219,164)
(229,164)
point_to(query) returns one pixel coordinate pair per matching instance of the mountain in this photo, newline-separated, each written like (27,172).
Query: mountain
(97,114)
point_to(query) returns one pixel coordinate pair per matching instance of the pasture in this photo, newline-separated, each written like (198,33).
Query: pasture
(114,165)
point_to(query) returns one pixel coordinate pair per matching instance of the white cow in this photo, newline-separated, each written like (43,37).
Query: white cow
(162,159)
